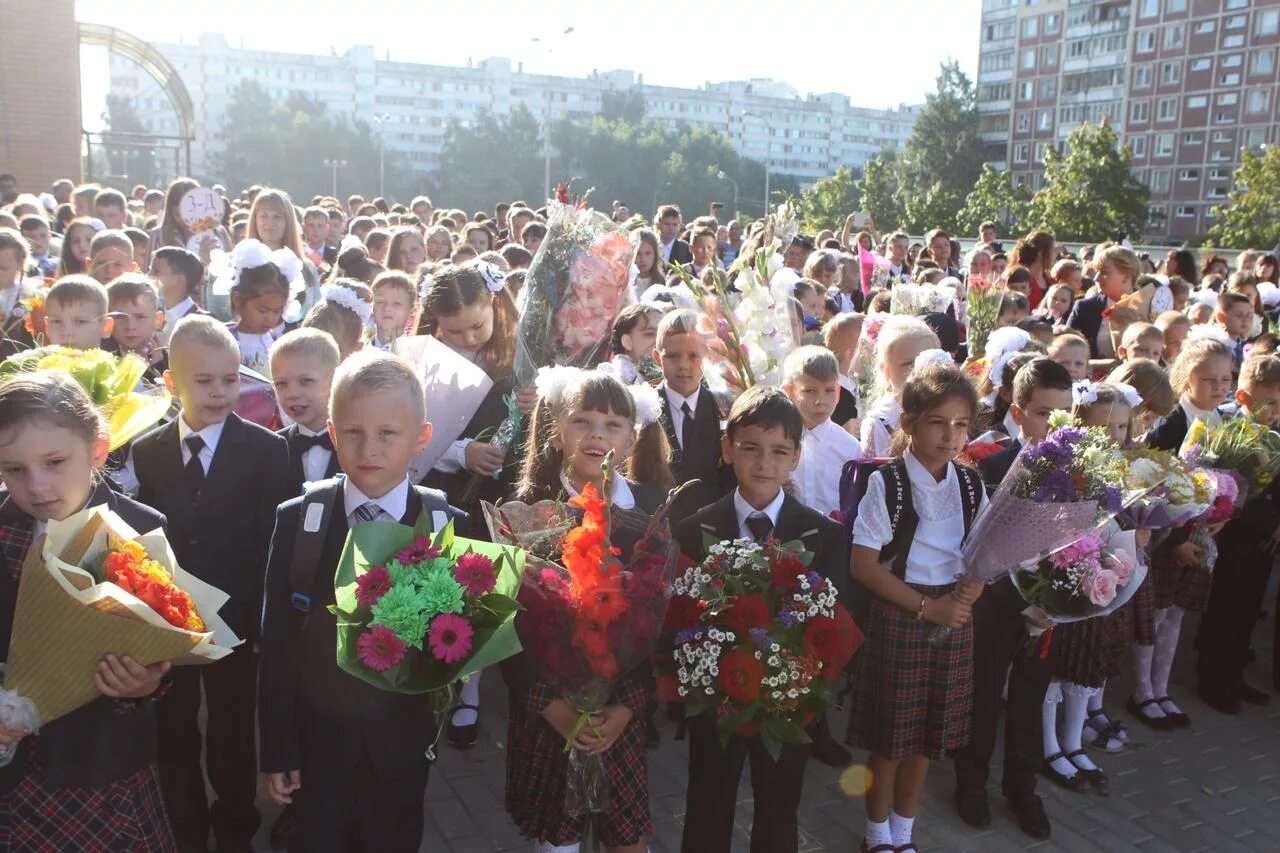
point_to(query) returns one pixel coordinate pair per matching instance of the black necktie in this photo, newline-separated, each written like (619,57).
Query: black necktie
(306,442)
(759,525)
(193,471)
(686,429)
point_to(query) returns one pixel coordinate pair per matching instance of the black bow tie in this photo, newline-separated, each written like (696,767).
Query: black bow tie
(306,442)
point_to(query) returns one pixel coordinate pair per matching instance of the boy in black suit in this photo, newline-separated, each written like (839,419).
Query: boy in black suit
(356,751)
(763,446)
(302,366)
(218,480)
(690,414)
(1040,387)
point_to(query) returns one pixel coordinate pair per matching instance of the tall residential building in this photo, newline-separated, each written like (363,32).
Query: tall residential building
(1186,84)
(807,137)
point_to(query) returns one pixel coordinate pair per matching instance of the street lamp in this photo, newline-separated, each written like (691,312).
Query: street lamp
(335,165)
(381,119)
(722,176)
(546,126)
(768,154)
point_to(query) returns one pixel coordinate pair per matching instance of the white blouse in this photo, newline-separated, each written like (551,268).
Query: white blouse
(934,558)
(876,438)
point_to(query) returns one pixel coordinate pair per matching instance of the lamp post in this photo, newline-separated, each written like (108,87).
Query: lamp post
(768,154)
(335,165)
(546,125)
(722,176)
(381,119)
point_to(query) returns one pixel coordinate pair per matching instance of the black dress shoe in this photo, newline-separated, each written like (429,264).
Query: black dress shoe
(1095,778)
(282,831)
(1251,695)
(1029,812)
(1180,718)
(463,737)
(825,749)
(1220,700)
(1071,783)
(973,808)
(1160,724)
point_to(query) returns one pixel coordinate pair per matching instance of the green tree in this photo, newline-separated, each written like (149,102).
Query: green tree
(878,190)
(994,198)
(492,159)
(623,105)
(1251,215)
(1090,194)
(830,200)
(943,158)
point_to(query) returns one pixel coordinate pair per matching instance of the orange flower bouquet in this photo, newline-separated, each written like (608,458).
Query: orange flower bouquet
(93,586)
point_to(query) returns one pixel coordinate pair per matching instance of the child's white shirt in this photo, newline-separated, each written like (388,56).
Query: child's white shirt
(934,555)
(878,427)
(823,452)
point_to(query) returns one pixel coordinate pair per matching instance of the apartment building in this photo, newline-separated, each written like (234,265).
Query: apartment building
(1187,84)
(411,104)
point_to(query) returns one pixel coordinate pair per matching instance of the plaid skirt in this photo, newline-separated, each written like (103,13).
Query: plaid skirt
(1142,616)
(1184,586)
(914,698)
(124,816)
(1091,651)
(537,766)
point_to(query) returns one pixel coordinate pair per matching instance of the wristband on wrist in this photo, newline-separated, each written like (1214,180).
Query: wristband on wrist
(920,612)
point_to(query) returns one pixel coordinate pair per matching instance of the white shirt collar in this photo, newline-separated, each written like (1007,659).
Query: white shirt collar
(394,503)
(677,400)
(211,434)
(1209,416)
(744,509)
(177,312)
(920,476)
(1011,427)
(303,430)
(621,497)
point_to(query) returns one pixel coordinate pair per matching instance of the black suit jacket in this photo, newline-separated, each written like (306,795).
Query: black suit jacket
(223,538)
(1086,318)
(302,694)
(994,468)
(107,739)
(821,536)
(1170,432)
(703,462)
(296,475)
(680,253)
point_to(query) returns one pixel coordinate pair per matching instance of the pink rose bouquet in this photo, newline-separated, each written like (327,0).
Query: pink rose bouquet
(1091,576)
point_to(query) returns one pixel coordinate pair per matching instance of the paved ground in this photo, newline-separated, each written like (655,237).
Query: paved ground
(1214,787)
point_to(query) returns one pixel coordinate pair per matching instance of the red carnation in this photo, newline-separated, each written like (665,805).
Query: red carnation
(682,612)
(747,612)
(833,641)
(740,676)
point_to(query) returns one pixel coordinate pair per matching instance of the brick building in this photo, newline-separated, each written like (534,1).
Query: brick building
(1185,83)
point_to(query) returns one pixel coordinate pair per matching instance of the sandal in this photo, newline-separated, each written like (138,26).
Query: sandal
(1071,783)
(1107,736)
(1095,778)
(463,737)
(1160,724)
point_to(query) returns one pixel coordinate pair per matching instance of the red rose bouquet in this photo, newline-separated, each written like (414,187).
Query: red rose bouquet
(756,639)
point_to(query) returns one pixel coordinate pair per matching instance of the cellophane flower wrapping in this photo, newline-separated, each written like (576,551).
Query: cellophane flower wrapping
(982,307)
(1238,444)
(419,610)
(1171,493)
(114,383)
(577,284)
(1070,482)
(1092,576)
(756,639)
(916,300)
(1229,494)
(589,616)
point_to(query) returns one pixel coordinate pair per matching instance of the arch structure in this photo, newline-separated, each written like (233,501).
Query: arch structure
(151,61)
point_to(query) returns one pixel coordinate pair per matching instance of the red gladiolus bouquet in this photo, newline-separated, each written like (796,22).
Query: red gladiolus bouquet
(590,614)
(757,639)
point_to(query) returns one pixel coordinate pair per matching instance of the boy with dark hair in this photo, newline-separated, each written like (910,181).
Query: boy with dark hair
(1040,387)
(178,272)
(762,444)
(135,320)
(110,206)
(35,230)
(141,241)
(1235,315)
(110,256)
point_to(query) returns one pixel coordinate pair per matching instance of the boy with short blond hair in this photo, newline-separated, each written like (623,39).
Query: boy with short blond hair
(1141,340)
(1175,326)
(1072,352)
(302,367)
(110,256)
(76,313)
(395,304)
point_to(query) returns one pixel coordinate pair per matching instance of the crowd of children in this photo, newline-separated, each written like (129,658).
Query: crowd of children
(310,300)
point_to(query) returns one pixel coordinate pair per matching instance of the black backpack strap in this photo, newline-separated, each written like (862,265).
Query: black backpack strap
(970,494)
(902,515)
(308,544)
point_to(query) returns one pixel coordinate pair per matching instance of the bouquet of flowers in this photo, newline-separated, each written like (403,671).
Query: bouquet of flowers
(589,617)
(757,640)
(1091,576)
(111,381)
(921,299)
(94,586)
(982,306)
(418,612)
(1071,481)
(1228,496)
(1242,445)
(1171,493)
(875,269)
(577,284)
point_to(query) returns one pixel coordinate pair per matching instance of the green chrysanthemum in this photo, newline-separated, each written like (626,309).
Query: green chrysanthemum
(441,592)
(402,575)
(403,609)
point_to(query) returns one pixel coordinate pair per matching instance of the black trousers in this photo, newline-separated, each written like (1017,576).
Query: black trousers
(1226,628)
(714,772)
(230,687)
(999,639)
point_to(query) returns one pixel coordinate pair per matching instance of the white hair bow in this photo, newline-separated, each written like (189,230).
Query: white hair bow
(648,405)
(1130,394)
(996,374)
(494,278)
(347,298)
(933,356)
(1005,340)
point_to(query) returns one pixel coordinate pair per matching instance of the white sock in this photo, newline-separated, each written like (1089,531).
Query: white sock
(1049,729)
(900,828)
(1142,689)
(470,695)
(1075,704)
(1095,698)
(1165,650)
(878,832)
(548,847)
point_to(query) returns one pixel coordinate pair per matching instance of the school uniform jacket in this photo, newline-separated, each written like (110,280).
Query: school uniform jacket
(304,699)
(994,468)
(1086,318)
(222,538)
(106,740)
(298,476)
(703,461)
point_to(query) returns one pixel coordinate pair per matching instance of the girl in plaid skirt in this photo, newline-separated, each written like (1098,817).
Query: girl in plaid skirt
(916,695)
(86,781)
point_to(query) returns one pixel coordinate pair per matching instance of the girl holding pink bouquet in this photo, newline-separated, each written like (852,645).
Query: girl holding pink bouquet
(1201,376)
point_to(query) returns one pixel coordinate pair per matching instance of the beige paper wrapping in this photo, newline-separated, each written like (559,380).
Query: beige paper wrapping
(65,622)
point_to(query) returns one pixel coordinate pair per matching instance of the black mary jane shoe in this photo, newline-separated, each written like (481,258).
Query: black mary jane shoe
(1180,719)
(1075,783)
(1160,724)
(1095,778)
(463,737)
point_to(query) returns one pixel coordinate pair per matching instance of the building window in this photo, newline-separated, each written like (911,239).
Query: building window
(1168,109)
(1149,8)
(1031,28)
(1048,87)
(1160,181)
(1142,77)
(1229,42)
(1197,102)
(1193,138)
(1156,216)
(1052,23)
(1020,152)
(1254,137)
(1237,4)
(1039,155)
(1204,26)
(1029,59)
(1186,212)
(1146,41)
(1164,145)
(1138,145)
(1235,22)
(1232,61)
(1232,79)
(1024,90)
(1267,22)
(1173,36)
(1189,175)
(1262,61)
(1201,64)
(1228,99)
(1049,56)
(1140,112)
(1024,122)
(1175,6)
(1046,120)
(1170,73)
(1256,101)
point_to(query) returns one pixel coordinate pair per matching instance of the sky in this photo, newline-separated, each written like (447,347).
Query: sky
(878,52)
